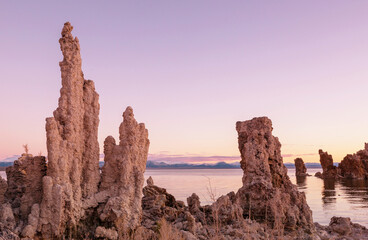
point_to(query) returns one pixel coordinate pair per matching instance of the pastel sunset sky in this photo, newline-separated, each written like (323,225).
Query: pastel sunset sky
(191,69)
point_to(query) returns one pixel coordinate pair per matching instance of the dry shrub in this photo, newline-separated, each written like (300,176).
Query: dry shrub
(26,149)
(211,191)
(168,232)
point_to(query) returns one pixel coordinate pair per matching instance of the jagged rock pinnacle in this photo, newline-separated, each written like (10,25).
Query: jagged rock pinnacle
(267,193)
(73,149)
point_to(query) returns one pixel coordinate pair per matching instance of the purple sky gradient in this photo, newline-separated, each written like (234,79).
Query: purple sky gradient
(191,69)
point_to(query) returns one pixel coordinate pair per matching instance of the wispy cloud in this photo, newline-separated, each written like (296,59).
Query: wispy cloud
(178,158)
(298,155)
(188,158)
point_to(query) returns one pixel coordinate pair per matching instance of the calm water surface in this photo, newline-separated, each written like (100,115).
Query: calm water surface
(346,198)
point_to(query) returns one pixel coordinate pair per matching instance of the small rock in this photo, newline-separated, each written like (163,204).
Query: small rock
(341,225)
(150,181)
(102,232)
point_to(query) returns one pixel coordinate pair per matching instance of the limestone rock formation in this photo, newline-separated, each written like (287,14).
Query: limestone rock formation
(355,165)
(157,203)
(221,220)
(329,170)
(267,194)
(104,233)
(68,198)
(300,169)
(73,150)
(194,206)
(342,228)
(226,210)
(3,187)
(24,185)
(122,174)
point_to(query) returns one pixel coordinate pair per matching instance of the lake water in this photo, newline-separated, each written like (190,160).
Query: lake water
(346,198)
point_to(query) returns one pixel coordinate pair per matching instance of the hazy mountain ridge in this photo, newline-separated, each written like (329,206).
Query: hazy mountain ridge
(218,165)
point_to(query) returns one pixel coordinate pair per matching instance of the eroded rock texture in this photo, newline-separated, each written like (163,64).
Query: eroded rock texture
(24,185)
(342,228)
(221,220)
(122,174)
(267,194)
(355,165)
(300,169)
(3,187)
(73,150)
(157,203)
(329,170)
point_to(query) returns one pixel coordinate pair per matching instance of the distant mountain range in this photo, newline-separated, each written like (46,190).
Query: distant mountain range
(6,164)
(219,165)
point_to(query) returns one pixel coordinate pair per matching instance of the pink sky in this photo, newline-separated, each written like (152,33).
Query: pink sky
(191,69)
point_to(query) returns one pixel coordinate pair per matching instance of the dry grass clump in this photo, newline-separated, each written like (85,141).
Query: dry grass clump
(168,232)
(215,209)
(26,149)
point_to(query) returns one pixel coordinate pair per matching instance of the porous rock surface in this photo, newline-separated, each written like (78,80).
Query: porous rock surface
(328,169)
(221,220)
(355,165)
(122,174)
(24,189)
(72,146)
(341,228)
(268,195)
(68,197)
(300,168)
(3,187)
(157,203)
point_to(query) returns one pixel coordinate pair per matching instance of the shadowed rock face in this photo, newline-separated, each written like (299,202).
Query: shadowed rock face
(73,150)
(355,165)
(300,169)
(329,170)
(267,194)
(3,187)
(157,203)
(122,174)
(25,185)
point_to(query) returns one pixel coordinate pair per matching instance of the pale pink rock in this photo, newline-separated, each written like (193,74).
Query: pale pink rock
(105,233)
(226,210)
(122,174)
(267,194)
(150,181)
(29,230)
(73,150)
(7,217)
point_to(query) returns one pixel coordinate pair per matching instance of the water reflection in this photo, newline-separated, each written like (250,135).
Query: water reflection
(328,192)
(328,198)
(301,182)
(355,191)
